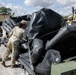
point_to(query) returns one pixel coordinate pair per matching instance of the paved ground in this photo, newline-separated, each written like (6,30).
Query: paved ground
(7,70)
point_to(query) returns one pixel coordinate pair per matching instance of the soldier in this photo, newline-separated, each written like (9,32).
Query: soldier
(15,36)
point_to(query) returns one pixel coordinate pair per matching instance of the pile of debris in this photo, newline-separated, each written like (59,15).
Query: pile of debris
(50,41)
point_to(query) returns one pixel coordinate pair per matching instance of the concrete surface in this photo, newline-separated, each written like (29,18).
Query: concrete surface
(8,70)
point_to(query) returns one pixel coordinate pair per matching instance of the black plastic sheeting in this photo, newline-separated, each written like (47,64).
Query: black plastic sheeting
(43,22)
(0,23)
(37,50)
(51,56)
(64,41)
(19,18)
(10,23)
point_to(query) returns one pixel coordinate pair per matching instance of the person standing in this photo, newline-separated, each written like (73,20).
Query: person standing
(15,36)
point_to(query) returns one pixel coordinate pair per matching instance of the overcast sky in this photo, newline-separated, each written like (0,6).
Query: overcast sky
(21,7)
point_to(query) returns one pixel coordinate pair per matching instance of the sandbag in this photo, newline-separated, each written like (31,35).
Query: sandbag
(64,41)
(8,24)
(51,56)
(25,62)
(37,50)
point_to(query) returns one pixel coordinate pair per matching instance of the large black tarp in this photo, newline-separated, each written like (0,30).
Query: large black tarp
(43,22)
(19,18)
(10,23)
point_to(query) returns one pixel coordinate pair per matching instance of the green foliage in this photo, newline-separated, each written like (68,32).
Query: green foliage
(65,16)
(4,10)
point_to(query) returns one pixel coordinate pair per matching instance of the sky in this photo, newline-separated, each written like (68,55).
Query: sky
(24,7)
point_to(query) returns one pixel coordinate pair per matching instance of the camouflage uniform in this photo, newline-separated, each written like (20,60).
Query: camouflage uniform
(13,44)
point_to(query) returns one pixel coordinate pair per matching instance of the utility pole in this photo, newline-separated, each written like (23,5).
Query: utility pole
(12,8)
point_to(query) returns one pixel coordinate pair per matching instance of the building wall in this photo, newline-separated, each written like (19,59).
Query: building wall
(2,17)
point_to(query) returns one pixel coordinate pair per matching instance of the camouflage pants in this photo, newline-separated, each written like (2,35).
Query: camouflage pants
(12,47)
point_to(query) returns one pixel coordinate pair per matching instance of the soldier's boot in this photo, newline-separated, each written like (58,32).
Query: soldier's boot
(3,63)
(13,64)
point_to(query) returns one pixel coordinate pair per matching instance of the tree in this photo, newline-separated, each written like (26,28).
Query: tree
(4,10)
(65,16)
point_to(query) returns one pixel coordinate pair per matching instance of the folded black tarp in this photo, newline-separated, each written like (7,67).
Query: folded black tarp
(43,22)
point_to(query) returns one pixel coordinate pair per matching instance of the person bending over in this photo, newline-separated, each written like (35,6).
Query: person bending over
(16,34)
